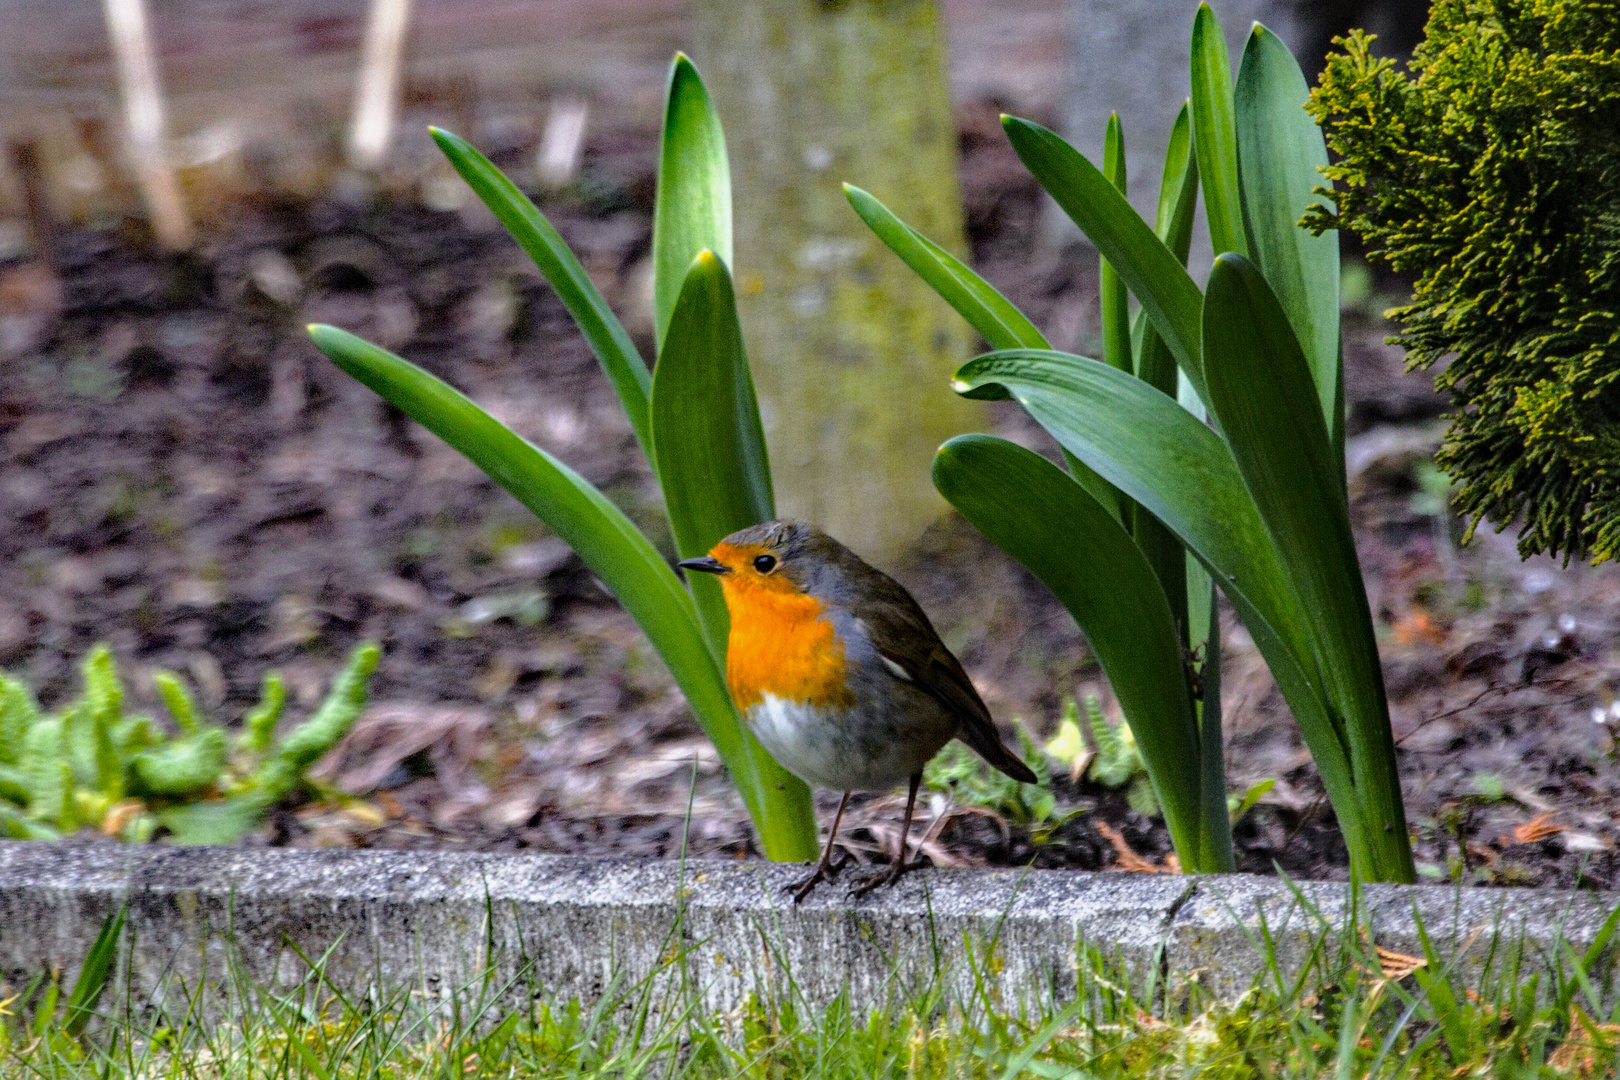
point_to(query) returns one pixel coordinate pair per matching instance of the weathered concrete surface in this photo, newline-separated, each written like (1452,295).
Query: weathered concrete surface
(439,920)
(1220,931)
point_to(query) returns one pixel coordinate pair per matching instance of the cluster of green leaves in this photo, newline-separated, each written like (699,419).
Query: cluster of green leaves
(1490,170)
(1118,761)
(1238,463)
(92,765)
(1114,761)
(1343,1009)
(695,417)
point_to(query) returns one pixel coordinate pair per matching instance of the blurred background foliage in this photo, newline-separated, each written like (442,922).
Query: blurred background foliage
(267,99)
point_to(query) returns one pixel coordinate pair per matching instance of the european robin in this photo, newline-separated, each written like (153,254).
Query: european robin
(839,674)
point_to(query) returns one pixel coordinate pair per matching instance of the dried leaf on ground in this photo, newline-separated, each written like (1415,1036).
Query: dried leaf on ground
(1129,860)
(1396,966)
(1535,830)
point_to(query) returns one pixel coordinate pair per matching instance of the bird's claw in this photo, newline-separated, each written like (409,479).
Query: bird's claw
(886,876)
(824,871)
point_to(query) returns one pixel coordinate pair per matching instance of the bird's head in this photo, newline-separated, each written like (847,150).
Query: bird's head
(784,558)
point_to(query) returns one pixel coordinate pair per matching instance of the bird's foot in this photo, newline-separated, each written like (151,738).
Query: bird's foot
(887,876)
(824,871)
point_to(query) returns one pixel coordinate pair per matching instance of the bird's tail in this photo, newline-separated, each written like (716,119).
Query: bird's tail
(990,747)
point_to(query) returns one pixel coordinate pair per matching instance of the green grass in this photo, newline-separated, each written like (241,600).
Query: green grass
(1346,1011)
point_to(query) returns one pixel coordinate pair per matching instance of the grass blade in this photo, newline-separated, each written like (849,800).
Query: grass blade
(1214,133)
(1029,508)
(709,442)
(603,332)
(1149,269)
(1001,324)
(94,975)
(1261,390)
(693,208)
(1280,155)
(617,553)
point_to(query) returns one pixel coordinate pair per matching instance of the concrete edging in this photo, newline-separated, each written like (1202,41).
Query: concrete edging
(435,919)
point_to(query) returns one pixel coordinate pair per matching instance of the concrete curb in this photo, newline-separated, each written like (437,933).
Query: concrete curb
(438,921)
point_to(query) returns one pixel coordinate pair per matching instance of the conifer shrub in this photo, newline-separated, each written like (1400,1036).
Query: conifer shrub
(1489,170)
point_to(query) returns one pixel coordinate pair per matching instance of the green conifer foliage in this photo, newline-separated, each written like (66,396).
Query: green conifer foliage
(1490,171)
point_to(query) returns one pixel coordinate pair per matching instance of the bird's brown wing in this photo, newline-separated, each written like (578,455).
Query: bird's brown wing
(908,640)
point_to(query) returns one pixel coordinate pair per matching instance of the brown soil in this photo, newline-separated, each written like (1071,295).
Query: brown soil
(182,475)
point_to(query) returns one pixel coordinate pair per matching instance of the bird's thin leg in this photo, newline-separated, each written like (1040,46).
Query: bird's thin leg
(900,865)
(824,869)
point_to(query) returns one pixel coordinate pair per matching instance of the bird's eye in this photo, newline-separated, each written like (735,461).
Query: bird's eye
(765,563)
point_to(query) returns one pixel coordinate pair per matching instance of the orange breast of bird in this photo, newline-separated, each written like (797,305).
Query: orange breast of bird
(781,644)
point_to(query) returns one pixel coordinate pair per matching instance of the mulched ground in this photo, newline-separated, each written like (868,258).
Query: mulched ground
(183,476)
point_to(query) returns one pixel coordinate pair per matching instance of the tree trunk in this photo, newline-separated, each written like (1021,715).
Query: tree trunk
(852,353)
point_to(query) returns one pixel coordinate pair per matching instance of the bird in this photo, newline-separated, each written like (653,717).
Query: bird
(839,674)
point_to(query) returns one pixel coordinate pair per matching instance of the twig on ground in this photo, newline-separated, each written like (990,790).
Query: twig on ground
(1129,860)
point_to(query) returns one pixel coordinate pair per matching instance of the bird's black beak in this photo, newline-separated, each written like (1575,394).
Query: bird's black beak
(705,565)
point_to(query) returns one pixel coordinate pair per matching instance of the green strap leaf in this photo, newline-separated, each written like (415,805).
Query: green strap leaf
(1155,451)
(693,208)
(986,310)
(1214,133)
(1145,444)
(1029,508)
(1262,392)
(603,332)
(1149,269)
(617,553)
(1178,188)
(1115,302)
(976,300)
(1206,637)
(708,439)
(1281,154)
(1178,191)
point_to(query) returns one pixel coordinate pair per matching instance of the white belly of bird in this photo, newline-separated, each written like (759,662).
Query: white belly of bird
(837,748)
